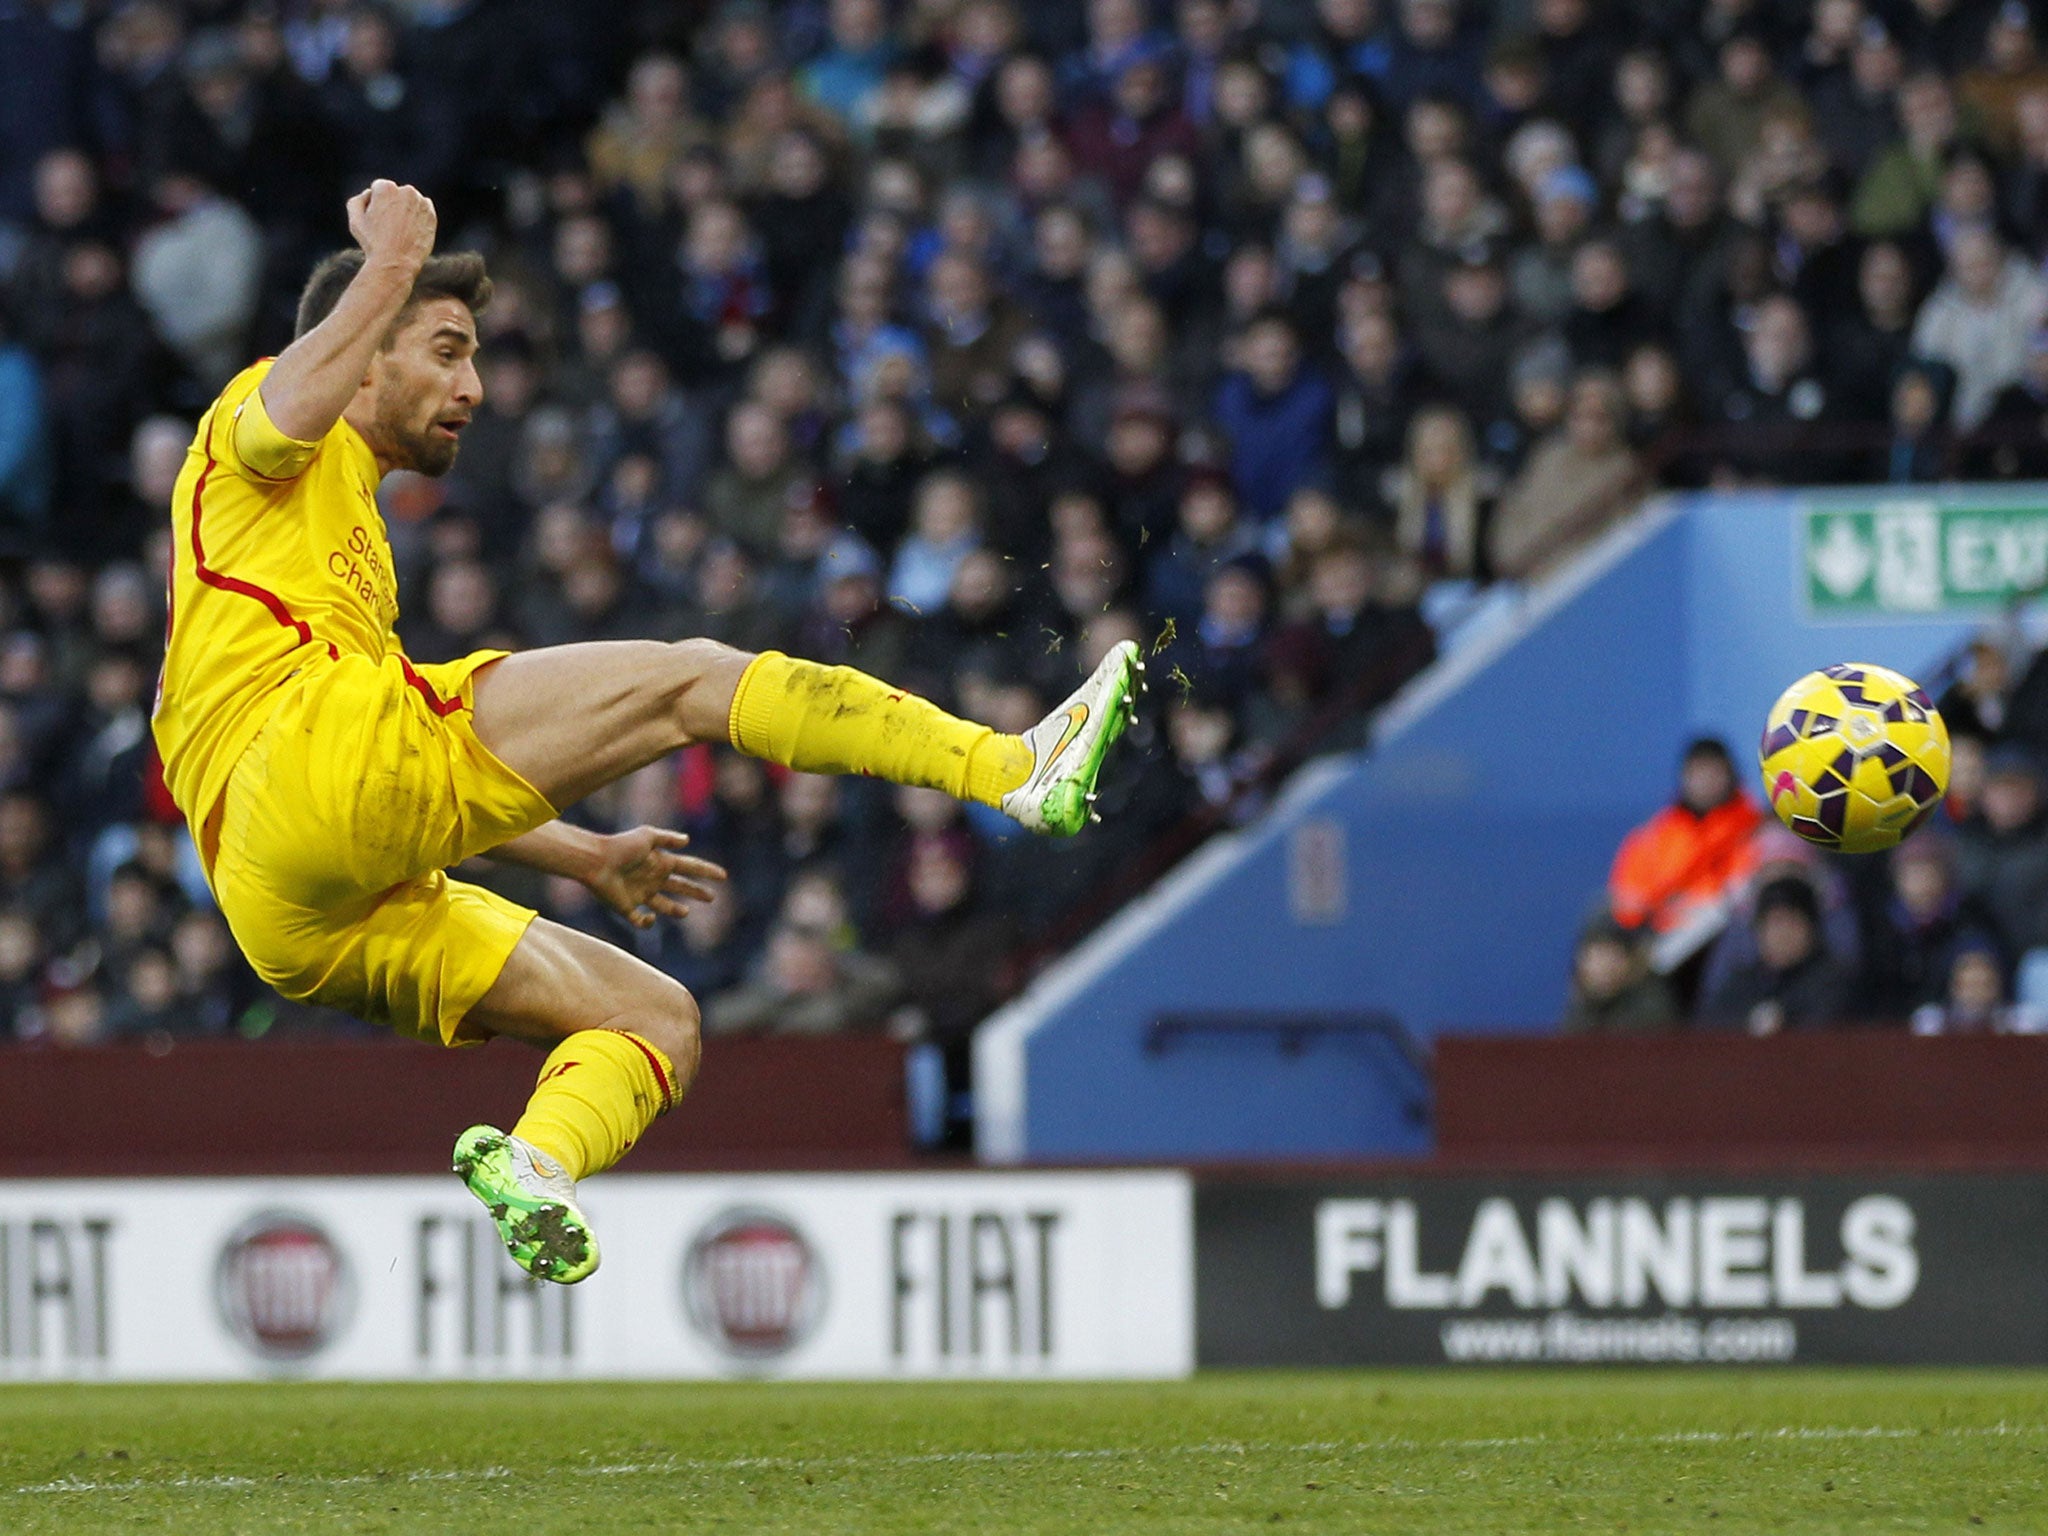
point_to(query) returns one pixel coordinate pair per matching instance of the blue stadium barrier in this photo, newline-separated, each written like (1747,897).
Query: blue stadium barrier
(1440,877)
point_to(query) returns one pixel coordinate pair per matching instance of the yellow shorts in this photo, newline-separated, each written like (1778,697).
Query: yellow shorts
(337,823)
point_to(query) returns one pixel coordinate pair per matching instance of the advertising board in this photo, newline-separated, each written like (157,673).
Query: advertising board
(1937,1268)
(870,1276)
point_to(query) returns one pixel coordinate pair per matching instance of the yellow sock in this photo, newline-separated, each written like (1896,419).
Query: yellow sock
(820,719)
(598,1091)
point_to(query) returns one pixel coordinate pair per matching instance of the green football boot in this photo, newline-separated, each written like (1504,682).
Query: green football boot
(1068,747)
(533,1202)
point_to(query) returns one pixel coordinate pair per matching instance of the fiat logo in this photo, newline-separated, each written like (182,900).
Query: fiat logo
(282,1286)
(752,1285)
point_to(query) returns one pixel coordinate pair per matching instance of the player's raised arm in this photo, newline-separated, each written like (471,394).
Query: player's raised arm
(313,379)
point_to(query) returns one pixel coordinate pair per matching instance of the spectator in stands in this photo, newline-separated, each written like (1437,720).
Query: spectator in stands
(945,529)
(1900,184)
(1691,855)
(948,952)
(1920,449)
(1375,392)
(806,987)
(2010,69)
(1466,333)
(1979,320)
(1356,645)
(197,272)
(1794,984)
(1777,408)
(1726,114)
(381,119)
(1854,107)
(24,447)
(2002,850)
(1275,410)
(1208,533)
(846,77)
(1979,701)
(2025,188)
(641,139)
(1540,276)
(2012,443)
(1924,921)
(1443,498)
(1974,1000)
(1614,991)
(212,977)
(1868,345)
(1582,479)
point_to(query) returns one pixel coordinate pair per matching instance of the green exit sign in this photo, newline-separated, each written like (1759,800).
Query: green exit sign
(1921,555)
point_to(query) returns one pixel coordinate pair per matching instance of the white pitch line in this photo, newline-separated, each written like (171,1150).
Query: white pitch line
(683,1465)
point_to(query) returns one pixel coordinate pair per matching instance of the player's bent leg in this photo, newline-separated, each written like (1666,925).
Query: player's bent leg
(622,1049)
(572,719)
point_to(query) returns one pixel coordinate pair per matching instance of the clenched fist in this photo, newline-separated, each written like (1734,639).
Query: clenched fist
(393,223)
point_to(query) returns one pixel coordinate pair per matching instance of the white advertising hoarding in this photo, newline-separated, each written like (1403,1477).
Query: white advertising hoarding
(803,1275)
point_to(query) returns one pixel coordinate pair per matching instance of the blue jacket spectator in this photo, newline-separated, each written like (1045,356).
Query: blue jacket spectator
(1276,412)
(24,448)
(1347,40)
(851,69)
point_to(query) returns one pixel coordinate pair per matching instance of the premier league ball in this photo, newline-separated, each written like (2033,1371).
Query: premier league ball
(1854,757)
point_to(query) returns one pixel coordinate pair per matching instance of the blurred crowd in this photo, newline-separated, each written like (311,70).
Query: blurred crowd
(959,339)
(1719,918)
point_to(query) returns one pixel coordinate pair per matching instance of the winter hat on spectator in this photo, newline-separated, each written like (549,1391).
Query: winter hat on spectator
(2012,760)
(1975,941)
(1367,267)
(846,557)
(1928,848)
(1604,927)
(1789,894)
(1252,564)
(213,52)
(1313,187)
(1571,182)
(600,295)
(1545,361)
(1481,255)
(1143,402)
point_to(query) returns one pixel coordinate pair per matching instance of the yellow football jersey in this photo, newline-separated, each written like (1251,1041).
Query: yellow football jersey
(279,561)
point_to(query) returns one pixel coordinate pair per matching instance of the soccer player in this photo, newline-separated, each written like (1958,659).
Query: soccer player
(330,782)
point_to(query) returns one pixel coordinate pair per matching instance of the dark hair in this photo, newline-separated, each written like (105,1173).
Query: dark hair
(459,275)
(1790,893)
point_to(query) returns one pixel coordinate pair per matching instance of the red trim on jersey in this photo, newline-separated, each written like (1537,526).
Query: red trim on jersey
(435,702)
(668,1093)
(213,578)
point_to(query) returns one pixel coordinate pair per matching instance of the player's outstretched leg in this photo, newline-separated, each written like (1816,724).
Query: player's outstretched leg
(574,718)
(624,1042)
(835,720)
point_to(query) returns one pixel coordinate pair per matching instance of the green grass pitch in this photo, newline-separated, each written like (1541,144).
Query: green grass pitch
(1382,1453)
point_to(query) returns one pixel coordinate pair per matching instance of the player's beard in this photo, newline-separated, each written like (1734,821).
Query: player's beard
(416,448)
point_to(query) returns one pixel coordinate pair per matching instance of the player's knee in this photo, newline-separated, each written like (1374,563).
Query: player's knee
(670,1022)
(706,674)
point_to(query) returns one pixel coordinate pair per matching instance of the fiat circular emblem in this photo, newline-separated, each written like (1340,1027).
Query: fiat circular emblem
(282,1286)
(752,1285)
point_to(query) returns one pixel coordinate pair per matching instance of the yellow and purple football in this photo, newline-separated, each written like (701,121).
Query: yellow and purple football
(1854,757)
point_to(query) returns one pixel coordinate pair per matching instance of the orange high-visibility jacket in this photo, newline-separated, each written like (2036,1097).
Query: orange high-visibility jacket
(1678,860)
